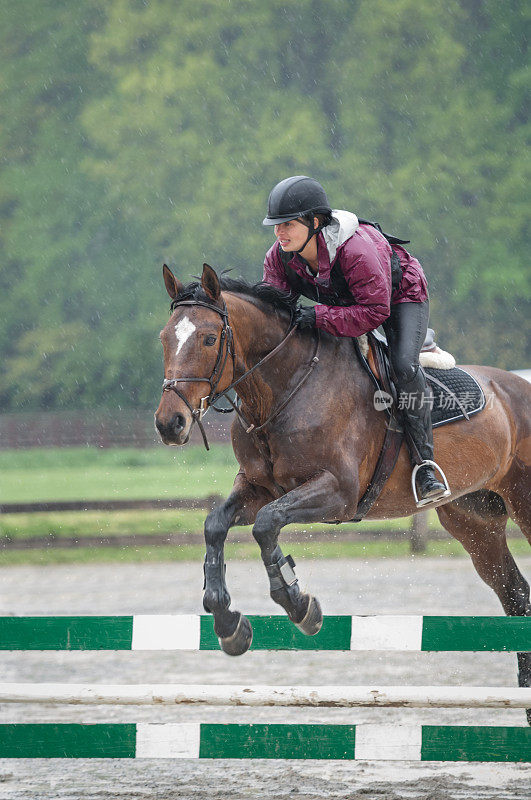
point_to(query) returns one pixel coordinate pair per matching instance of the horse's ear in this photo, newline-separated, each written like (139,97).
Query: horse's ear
(210,283)
(173,286)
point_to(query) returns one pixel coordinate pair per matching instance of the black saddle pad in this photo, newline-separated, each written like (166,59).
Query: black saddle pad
(460,389)
(464,391)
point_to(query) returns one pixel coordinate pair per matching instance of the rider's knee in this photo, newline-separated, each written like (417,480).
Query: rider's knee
(405,371)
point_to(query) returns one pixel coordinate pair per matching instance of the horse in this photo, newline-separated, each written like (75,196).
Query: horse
(307,438)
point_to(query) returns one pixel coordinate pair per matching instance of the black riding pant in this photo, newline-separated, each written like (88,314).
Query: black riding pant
(405,329)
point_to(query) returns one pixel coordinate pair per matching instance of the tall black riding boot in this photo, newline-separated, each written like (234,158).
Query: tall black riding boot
(416,400)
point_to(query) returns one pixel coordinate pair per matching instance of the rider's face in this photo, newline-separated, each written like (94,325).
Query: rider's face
(292,235)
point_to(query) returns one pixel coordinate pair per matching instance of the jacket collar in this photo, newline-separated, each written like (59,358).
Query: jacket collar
(344,225)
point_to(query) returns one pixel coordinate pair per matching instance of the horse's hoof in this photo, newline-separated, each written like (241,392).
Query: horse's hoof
(240,641)
(313,619)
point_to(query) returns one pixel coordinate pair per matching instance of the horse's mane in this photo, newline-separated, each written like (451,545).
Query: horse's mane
(265,293)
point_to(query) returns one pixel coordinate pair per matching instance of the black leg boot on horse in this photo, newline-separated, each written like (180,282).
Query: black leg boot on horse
(406,330)
(303,610)
(233,630)
(318,499)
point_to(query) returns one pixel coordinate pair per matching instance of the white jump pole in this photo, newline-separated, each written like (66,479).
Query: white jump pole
(317,696)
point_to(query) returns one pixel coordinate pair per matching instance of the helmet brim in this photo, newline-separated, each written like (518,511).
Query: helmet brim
(278,220)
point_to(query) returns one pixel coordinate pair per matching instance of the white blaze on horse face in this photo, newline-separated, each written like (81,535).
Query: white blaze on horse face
(183,331)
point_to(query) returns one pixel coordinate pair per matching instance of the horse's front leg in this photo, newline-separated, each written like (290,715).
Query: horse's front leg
(317,500)
(240,508)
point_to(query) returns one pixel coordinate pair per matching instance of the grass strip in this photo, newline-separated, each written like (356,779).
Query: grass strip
(93,473)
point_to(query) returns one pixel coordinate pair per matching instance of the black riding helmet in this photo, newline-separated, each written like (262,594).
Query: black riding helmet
(298,196)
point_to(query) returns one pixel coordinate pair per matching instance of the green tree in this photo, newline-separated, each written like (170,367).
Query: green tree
(58,238)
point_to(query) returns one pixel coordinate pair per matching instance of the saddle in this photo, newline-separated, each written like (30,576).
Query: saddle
(456,395)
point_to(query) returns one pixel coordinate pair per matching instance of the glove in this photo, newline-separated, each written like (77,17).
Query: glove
(305,317)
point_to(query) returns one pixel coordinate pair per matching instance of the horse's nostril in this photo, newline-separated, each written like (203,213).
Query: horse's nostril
(170,427)
(178,423)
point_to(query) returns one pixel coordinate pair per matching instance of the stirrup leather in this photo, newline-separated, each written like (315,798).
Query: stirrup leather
(428,500)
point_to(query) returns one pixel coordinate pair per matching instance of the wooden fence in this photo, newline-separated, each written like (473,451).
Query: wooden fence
(132,427)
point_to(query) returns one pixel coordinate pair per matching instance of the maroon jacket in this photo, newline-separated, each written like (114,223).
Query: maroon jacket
(364,258)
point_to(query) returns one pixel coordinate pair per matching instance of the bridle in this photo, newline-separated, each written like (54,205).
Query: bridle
(226,349)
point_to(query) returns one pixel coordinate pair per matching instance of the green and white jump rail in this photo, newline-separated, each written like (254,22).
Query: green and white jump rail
(196,632)
(259,695)
(197,740)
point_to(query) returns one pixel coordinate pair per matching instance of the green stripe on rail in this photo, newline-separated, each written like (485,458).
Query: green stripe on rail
(475,743)
(279,633)
(66,633)
(278,741)
(465,634)
(68,741)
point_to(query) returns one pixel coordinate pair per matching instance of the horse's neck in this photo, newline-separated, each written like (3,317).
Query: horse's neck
(256,334)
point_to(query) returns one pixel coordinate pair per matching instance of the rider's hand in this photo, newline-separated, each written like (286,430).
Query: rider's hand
(305,317)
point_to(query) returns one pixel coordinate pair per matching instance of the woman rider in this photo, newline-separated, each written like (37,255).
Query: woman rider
(345,266)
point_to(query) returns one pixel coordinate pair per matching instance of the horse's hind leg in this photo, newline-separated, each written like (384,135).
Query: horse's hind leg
(516,492)
(478,521)
(232,628)
(316,500)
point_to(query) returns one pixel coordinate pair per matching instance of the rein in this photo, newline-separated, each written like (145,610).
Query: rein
(225,350)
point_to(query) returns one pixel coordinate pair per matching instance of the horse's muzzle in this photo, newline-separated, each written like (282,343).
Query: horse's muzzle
(173,430)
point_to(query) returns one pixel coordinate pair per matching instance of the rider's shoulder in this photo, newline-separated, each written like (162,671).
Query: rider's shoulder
(363,247)
(365,239)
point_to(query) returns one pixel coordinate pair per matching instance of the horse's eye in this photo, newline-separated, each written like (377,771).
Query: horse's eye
(209,340)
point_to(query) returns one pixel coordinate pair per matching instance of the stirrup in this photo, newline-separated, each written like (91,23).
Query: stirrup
(428,500)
